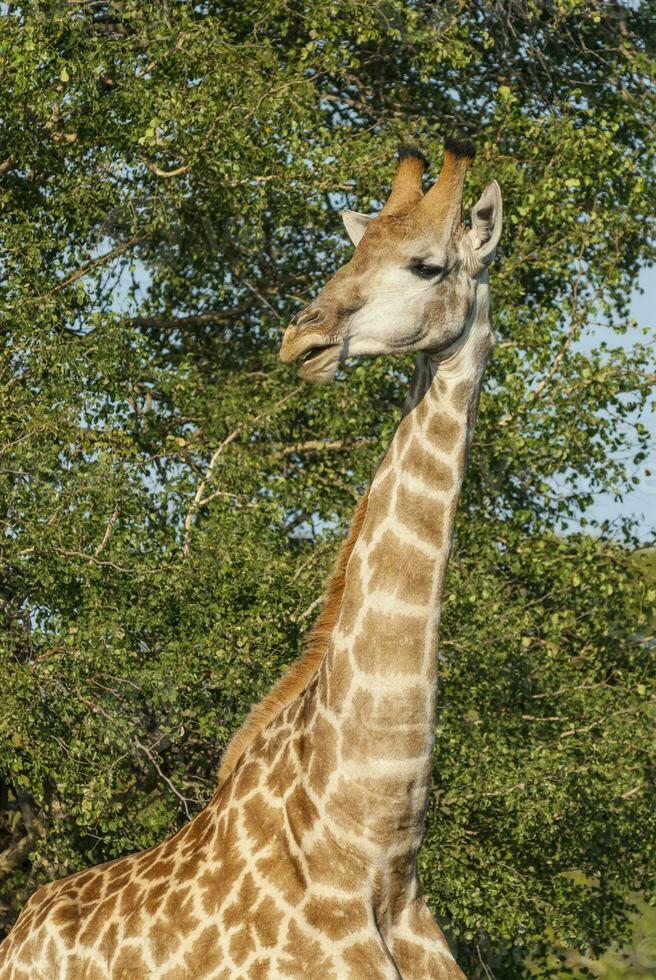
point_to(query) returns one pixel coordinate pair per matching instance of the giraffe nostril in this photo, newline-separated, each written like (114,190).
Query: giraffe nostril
(310,315)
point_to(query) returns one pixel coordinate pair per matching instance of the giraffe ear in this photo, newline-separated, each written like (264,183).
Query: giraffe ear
(355,224)
(486,224)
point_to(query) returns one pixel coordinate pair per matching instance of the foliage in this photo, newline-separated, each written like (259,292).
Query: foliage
(635,961)
(172,498)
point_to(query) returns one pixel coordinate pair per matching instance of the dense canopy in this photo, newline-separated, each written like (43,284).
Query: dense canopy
(172,497)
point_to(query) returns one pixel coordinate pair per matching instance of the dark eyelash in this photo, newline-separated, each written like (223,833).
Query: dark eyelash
(425,271)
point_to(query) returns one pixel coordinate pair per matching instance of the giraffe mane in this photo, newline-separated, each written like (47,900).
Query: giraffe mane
(295,680)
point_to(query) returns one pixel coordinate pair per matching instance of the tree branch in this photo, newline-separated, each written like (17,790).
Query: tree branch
(107,257)
(311,445)
(103,562)
(555,364)
(576,322)
(199,497)
(149,755)
(194,319)
(108,533)
(310,609)
(176,172)
(15,854)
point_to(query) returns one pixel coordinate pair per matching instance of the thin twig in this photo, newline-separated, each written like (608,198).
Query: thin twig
(179,44)
(568,690)
(103,562)
(108,533)
(262,300)
(199,499)
(310,609)
(309,561)
(313,444)
(555,364)
(595,724)
(543,718)
(193,319)
(574,326)
(146,751)
(107,257)
(176,172)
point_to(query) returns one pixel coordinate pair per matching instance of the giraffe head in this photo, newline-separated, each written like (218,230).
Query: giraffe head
(411,282)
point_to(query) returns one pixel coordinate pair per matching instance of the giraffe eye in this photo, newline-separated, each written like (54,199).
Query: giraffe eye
(425,271)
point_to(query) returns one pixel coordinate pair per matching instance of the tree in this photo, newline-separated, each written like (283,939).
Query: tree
(173,498)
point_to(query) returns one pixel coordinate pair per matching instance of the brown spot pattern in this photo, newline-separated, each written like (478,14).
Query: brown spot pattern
(423,518)
(340,678)
(324,757)
(425,467)
(400,569)
(245,899)
(353,597)
(377,510)
(370,733)
(373,816)
(302,815)
(335,916)
(282,773)
(260,969)
(304,957)
(266,921)
(242,943)
(333,866)
(443,431)
(260,823)
(365,959)
(281,867)
(387,643)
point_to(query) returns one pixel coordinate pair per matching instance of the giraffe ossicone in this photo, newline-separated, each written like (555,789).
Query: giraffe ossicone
(303,864)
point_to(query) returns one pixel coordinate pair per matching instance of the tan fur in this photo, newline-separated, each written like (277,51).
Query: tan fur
(300,674)
(406,186)
(442,204)
(304,861)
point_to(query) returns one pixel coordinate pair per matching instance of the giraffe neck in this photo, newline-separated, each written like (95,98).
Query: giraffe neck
(376,688)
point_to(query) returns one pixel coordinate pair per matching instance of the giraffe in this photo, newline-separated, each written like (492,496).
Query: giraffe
(303,864)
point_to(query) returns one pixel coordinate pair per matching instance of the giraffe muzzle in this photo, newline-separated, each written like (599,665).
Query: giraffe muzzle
(317,352)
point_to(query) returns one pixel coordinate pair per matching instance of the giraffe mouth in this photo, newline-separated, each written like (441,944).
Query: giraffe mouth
(319,363)
(311,354)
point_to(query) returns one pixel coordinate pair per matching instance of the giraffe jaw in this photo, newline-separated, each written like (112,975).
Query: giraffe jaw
(320,362)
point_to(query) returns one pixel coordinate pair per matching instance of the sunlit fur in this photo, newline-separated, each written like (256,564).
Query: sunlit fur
(304,862)
(299,675)
(377,303)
